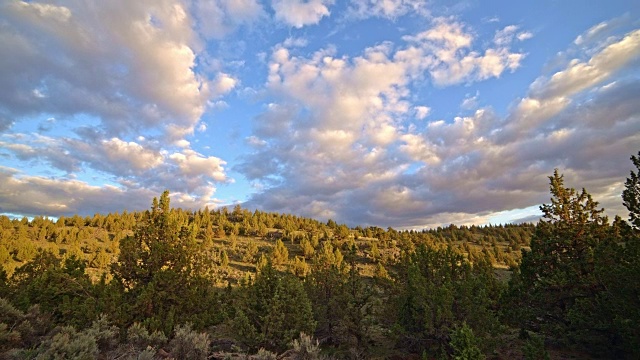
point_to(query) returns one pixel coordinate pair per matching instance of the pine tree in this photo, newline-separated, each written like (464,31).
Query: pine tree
(557,277)
(280,253)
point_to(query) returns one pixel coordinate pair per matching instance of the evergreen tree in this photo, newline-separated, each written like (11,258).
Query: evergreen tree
(465,344)
(556,289)
(631,194)
(160,270)
(436,291)
(280,253)
(272,311)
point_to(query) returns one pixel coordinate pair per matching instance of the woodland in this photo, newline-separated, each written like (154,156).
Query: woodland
(239,284)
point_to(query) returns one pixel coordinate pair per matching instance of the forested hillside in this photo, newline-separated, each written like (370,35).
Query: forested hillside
(225,283)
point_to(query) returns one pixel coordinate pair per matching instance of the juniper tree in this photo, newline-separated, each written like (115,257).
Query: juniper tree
(162,274)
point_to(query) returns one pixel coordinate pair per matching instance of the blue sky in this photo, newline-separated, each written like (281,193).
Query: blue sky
(399,113)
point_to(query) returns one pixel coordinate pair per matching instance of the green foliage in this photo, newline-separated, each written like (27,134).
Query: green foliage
(60,289)
(465,344)
(189,344)
(438,290)
(274,310)
(304,348)
(67,343)
(161,271)
(557,281)
(264,354)
(300,268)
(534,348)
(280,253)
(307,248)
(224,259)
(631,194)
(140,338)
(579,282)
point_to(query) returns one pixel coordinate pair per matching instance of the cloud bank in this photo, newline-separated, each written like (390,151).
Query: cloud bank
(104,105)
(341,139)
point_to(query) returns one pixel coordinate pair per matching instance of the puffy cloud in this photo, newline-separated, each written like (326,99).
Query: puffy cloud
(509,33)
(335,133)
(298,13)
(422,112)
(193,164)
(104,60)
(339,140)
(133,165)
(524,36)
(447,46)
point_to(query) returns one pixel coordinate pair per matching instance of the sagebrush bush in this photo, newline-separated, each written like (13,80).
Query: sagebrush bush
(189,344)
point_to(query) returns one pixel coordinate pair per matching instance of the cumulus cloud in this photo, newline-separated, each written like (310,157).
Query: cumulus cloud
(338,140)
(192,163)
(451,60)
(299,13)
(141,167)
(104,60)
(335,133)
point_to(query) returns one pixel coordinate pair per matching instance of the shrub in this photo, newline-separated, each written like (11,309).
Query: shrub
(189,344)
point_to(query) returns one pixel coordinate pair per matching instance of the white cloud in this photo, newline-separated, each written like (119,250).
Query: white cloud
(591,33)
(218,18)
(339,133)
(422,112)
(192,163)
(581,75)
(132,154)
(505,36)
(332,112)
(291,42)
(36,196)
(390,9)
(524,35)
(470,102)
(223,84)
(298,13)
(104,60)
(446,48)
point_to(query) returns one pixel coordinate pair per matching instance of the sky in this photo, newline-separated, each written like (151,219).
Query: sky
(400,113)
